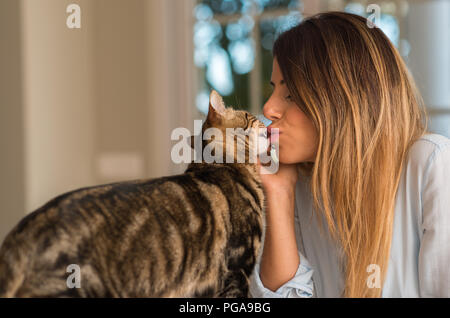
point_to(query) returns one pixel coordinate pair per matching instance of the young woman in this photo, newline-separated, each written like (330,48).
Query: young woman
(360,205)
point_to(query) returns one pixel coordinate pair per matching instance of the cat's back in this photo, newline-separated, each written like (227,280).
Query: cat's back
(95,204)
(62,230)
(106,223)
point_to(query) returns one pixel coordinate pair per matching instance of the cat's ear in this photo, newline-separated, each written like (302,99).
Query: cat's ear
(216,107)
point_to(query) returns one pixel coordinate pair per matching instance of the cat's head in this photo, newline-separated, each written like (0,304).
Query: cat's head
(245,133)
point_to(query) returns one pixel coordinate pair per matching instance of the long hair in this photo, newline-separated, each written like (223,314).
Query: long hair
(352,83)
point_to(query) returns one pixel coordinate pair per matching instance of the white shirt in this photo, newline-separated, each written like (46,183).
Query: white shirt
(419,262)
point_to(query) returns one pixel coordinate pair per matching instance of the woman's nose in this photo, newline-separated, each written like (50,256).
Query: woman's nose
(271,111)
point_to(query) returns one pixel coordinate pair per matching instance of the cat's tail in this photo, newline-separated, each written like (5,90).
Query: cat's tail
(13,265)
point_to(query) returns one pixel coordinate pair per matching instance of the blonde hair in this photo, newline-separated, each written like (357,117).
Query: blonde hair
(352,83)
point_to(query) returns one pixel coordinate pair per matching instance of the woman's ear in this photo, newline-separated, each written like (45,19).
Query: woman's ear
(216,107)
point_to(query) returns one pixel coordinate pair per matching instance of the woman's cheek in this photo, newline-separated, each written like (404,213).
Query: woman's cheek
(287,150)
(295,148)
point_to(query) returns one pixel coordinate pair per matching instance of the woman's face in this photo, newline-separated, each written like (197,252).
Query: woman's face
(297,138)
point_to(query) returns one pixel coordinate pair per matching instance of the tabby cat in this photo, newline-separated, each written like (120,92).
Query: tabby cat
(196,234)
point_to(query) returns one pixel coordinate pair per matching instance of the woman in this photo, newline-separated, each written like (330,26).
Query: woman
(367,214)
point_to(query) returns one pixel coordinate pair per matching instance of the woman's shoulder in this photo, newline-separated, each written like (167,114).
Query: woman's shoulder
(436,140)
(426,149)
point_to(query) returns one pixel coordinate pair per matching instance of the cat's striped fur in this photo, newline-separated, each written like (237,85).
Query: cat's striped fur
(197,234)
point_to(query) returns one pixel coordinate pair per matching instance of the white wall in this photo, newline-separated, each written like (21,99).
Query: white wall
(171,74)
(428,26)
(12,182)
(58,102)
(88,106)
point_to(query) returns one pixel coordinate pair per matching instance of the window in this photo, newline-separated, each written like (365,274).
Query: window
(233,48)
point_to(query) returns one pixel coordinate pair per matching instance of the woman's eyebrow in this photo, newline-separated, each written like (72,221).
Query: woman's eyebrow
(281,83)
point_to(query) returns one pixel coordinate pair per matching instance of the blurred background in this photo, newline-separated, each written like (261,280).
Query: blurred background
(97,104)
